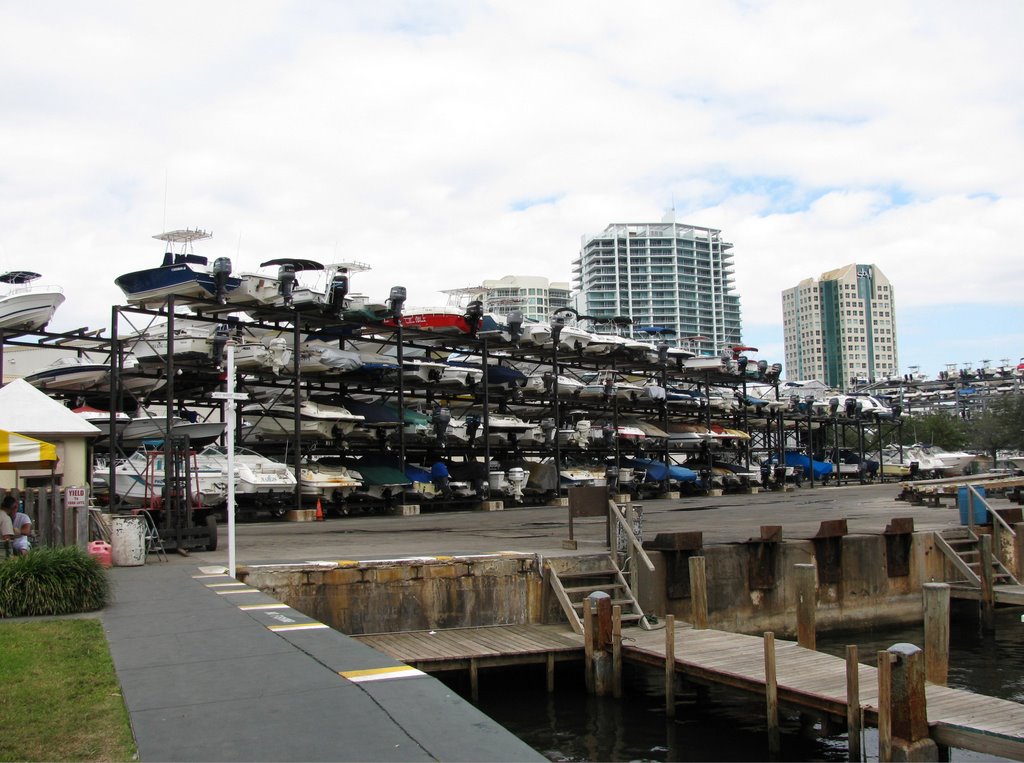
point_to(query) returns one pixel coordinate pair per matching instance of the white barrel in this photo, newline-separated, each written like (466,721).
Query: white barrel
(128,541)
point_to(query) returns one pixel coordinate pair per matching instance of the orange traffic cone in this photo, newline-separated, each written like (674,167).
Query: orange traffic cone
(319,511)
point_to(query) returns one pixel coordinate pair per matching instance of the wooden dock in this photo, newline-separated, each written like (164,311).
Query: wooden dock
(807,680)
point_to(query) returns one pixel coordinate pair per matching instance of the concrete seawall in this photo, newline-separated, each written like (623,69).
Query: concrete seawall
(863,581)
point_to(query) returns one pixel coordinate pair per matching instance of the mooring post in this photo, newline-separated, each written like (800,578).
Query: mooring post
(588,645)
(1018,549)
(806,604)
(988,596)
(854,717)
(601,607)
(936,632)
(474,680)
(551,672)
(617,651)
(884,707)
(698,592)
(909,737)
(670,666)
(771,696)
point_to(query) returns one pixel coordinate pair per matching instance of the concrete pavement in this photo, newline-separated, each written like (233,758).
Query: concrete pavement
(212,670)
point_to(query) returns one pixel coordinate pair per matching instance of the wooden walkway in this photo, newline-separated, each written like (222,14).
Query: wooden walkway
(817,681)
(491,646)
(806,679)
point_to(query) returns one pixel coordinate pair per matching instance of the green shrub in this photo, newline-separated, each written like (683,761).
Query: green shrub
(52,581)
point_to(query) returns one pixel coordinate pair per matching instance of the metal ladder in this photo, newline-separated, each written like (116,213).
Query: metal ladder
(154,543)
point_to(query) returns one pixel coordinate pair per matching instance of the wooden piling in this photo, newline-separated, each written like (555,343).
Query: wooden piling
(771,696)
(616,651)
(988,597)
(1018,549)
(936,632)
(910,736)
(806,605)
(670,666)
(551,672)
(698,592)
(588,645)
(474,680)
(884,707)
(854,714)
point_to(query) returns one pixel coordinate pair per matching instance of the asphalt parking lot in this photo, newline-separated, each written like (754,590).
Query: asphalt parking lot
(723,519)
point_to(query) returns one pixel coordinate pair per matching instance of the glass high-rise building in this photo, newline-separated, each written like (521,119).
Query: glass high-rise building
(841,328)
(666,275)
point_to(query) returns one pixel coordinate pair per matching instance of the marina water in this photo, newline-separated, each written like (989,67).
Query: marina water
(716,723)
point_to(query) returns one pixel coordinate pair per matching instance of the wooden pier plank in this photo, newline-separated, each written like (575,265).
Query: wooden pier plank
(806,678)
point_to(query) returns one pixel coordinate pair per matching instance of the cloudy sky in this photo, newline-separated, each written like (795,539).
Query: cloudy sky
(447,142)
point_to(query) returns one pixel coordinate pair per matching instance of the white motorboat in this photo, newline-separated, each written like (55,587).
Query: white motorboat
(71,373)
(101,420)
(604,385)
(318,421)
(257,477)
(139,481)
(330,482)
(146,426)
(539,385)
(26,307)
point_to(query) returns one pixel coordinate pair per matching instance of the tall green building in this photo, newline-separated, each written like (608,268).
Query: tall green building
(841,328)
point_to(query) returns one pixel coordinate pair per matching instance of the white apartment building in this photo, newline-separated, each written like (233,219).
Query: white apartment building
(666,275)
(534,296)
(841,328)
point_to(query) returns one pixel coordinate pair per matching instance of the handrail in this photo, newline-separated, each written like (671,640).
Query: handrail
(974,494)
(613,511)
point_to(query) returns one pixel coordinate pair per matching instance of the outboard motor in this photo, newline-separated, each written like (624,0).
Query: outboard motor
(515,326)
(472,425)
(336,293)
(773,372)
(474,312)
(517,481)
(850,407)
(548,379)
(608,433)
(440,419)
(611,477)
(741,364)
(833,406)
(609,389)
(441,479)
(220,339)
(547,426)
(221,273)
(286,278)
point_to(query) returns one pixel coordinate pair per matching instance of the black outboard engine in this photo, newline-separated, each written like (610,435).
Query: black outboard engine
(221,272)
(609,389)
(472,425)
(851,407)
(608,433)
(286,277)
(220,339)
(440,420)
(336,293)
(474,312)
(611,477)
(833,406)
(515,326)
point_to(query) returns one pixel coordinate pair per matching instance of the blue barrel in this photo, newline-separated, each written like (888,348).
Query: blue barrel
(962,502)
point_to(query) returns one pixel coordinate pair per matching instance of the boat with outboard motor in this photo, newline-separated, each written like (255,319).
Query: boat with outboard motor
(181,274)
(24,306)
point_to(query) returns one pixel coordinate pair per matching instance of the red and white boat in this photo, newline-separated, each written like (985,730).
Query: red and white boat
(439,320)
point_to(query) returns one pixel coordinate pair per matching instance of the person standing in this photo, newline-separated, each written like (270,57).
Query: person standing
(6,523)
(21,525)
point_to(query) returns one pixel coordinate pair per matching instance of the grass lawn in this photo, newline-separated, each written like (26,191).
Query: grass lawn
(60,699)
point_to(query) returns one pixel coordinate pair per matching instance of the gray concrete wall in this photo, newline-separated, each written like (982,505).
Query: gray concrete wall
(864,594)
(452,592)
(410,594)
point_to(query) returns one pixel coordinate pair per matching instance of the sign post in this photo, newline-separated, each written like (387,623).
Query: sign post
(230,396)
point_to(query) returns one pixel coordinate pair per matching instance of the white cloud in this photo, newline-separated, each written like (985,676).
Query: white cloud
(413,136)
